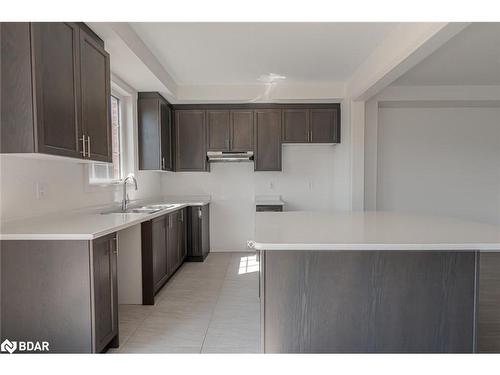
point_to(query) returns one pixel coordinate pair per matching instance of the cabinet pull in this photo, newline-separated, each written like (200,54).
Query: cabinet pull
(83,145)
(115,251)
(88,148)
(163,163)
(182,216)
(199,213)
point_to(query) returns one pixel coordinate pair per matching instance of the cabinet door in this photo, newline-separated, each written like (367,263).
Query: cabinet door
(190,140)
(182,235)
(159,246)
(324,126)
(194,230)
(218,130)
(296,125)
(205,229)
(149,134)
(105,290)
(166,137)
(267,140)
(57,87)
(241,130)
(95,98)
(172,243)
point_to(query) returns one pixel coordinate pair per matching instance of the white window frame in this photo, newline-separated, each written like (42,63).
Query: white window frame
(128,120)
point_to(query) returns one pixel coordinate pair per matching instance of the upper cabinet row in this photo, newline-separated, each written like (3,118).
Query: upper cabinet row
(55,91)
(198,129)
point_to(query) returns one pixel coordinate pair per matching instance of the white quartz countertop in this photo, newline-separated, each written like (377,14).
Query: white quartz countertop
(268,200)
(377,230)
(86,224)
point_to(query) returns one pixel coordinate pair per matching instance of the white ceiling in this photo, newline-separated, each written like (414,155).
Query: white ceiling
(470,58)
(238,53)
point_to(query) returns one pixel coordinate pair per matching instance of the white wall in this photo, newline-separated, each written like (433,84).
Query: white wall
(66,187)
(440,160)
(309,181)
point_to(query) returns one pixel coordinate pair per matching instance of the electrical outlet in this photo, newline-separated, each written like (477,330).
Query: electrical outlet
(311,185)
(41,190)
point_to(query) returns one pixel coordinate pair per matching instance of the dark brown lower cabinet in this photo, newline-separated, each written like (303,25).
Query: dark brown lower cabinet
(104,262)
(163,251)
(60,291)
(198,240)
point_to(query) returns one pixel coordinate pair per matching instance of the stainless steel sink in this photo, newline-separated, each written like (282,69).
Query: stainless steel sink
(139,210)
(149,209)
(161,206)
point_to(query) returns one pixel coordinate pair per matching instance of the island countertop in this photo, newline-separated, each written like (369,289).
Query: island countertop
(370,230)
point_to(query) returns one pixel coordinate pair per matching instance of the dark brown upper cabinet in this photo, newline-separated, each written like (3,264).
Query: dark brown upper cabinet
(190,140)
(296,125)
(55,91)
(230,130)
(324,125)
(219,130)
(267,139)
(155,132)
(311,125)
(242,130)
(95,99)
(56,84)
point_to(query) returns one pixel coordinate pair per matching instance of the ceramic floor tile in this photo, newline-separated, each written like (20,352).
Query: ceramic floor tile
(209,307)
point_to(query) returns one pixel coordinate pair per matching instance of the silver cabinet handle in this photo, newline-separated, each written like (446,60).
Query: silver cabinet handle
(163,163)
(115,251)
(182,216)
(83,145)
(88,148)
(199,213)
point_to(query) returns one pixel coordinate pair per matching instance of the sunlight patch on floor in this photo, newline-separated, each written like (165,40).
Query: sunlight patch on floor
(248,264)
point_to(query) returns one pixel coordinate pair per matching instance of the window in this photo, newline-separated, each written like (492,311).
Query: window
(100,173)
(115,136)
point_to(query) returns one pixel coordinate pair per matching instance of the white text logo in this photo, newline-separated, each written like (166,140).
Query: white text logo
(24,346)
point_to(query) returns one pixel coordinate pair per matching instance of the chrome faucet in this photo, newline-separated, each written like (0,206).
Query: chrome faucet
(125,199)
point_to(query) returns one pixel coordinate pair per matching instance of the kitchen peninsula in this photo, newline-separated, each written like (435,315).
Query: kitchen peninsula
(377,282)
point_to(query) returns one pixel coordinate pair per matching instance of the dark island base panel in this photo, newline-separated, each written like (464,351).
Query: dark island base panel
(380,302)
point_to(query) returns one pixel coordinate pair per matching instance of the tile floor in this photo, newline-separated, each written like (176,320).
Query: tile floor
(209,307)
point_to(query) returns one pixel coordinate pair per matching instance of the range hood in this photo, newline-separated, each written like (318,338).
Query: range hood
(229,156)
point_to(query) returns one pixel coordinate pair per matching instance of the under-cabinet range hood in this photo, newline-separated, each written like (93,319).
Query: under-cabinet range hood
(229,156)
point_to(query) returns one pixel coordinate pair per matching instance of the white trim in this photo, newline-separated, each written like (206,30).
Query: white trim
(139,48)
(443,93)
(371,155)
(357,154)
(405,47)
(282,92)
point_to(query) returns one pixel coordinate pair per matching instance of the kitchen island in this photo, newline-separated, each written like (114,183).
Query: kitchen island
(377,282)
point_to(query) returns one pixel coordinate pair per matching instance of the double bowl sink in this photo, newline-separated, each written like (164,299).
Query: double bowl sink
(148,209)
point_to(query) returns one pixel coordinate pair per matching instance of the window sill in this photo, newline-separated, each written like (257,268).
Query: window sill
(105,183)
